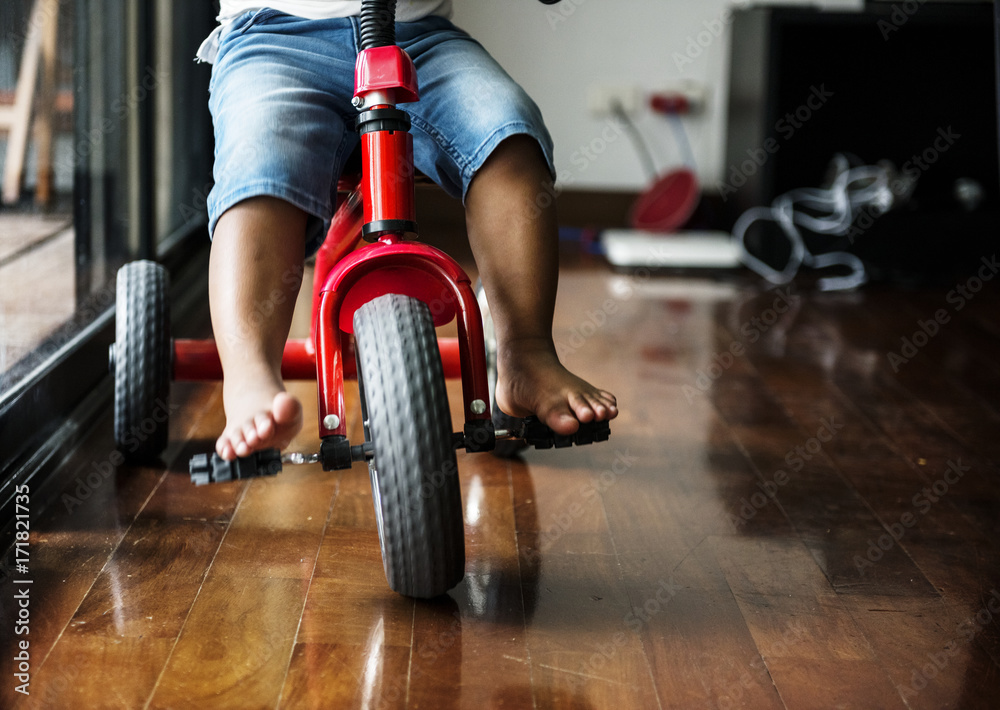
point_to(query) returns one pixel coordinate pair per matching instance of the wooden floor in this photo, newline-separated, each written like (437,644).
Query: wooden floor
(791,512)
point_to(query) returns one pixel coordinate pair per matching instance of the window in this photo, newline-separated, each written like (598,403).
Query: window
(107,117)
(36,135)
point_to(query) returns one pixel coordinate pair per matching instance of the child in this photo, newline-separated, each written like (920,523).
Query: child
(281,90)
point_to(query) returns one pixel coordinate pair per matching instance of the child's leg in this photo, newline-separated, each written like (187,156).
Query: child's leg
(479,135)
(280,100)
(255,270)
(517,256)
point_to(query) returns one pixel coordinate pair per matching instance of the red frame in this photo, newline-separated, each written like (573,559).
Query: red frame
(347,277)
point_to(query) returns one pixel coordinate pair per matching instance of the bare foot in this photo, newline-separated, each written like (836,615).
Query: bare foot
(531,380)
(261,416)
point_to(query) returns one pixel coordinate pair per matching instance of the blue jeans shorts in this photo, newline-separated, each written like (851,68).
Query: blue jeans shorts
(281,93)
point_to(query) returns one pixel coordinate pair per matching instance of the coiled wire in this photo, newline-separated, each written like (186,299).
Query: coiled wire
(834,210)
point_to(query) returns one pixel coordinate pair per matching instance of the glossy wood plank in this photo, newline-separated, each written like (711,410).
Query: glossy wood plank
(701,652)
(897,491)
(338,675)
(909,439)
(76,536)
(930,650)
(263,565)
(806,637)
(582,649)
(943,541)
(474,643)
(831,518)
(279,525)
(224,661)
(354,637)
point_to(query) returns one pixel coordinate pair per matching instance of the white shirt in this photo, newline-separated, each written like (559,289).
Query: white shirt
(406,11)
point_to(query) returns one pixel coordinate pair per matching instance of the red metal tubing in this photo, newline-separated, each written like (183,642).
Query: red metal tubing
(388,176)
(329,365)
(451,358)
(198,360)
(341,238)
(471,356)
(472,344)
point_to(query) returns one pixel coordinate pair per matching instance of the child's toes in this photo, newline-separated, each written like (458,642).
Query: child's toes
(599,408)
(264,427)
(604,403)
(286,409)
(250,435)
(582,407)
(229,444)
(242,448)
(561,419)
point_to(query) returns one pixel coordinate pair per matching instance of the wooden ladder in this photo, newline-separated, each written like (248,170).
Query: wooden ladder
(40,47)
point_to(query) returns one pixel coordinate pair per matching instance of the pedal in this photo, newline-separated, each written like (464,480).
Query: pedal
(508,448)
(205,468)
(532,432)
(541,436)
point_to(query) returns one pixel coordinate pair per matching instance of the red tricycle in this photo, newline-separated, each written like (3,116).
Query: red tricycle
(389,295)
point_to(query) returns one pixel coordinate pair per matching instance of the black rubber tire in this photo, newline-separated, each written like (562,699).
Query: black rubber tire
(508,448)
(414,473)
(142,361)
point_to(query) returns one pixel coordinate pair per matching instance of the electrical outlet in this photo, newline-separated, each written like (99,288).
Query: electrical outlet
(695,93)
(602,98)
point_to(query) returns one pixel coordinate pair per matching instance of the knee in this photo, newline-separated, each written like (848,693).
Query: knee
(520,148)
(263,214)
(519,156)
(268,207)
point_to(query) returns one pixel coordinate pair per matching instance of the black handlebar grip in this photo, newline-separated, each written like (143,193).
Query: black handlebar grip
(205,469)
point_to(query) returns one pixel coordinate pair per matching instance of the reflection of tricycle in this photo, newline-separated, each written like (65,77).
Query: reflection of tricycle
(390,294)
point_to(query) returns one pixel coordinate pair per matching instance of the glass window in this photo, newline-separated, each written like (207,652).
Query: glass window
(106,149)
(36,140)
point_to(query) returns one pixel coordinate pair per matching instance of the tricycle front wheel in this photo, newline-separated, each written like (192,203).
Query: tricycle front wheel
(414,473)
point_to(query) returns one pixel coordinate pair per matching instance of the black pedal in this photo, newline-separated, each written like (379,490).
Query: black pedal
(542,437)
(514,426)
(205,468)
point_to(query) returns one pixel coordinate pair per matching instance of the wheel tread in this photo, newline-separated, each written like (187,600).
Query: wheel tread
(422,536)
(142,358)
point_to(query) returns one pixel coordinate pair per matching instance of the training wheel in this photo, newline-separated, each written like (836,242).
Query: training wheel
(141,360)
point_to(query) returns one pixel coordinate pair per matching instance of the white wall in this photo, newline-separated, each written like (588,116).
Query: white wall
(557,52)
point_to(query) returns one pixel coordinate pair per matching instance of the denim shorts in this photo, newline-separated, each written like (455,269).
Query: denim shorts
(281,92)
